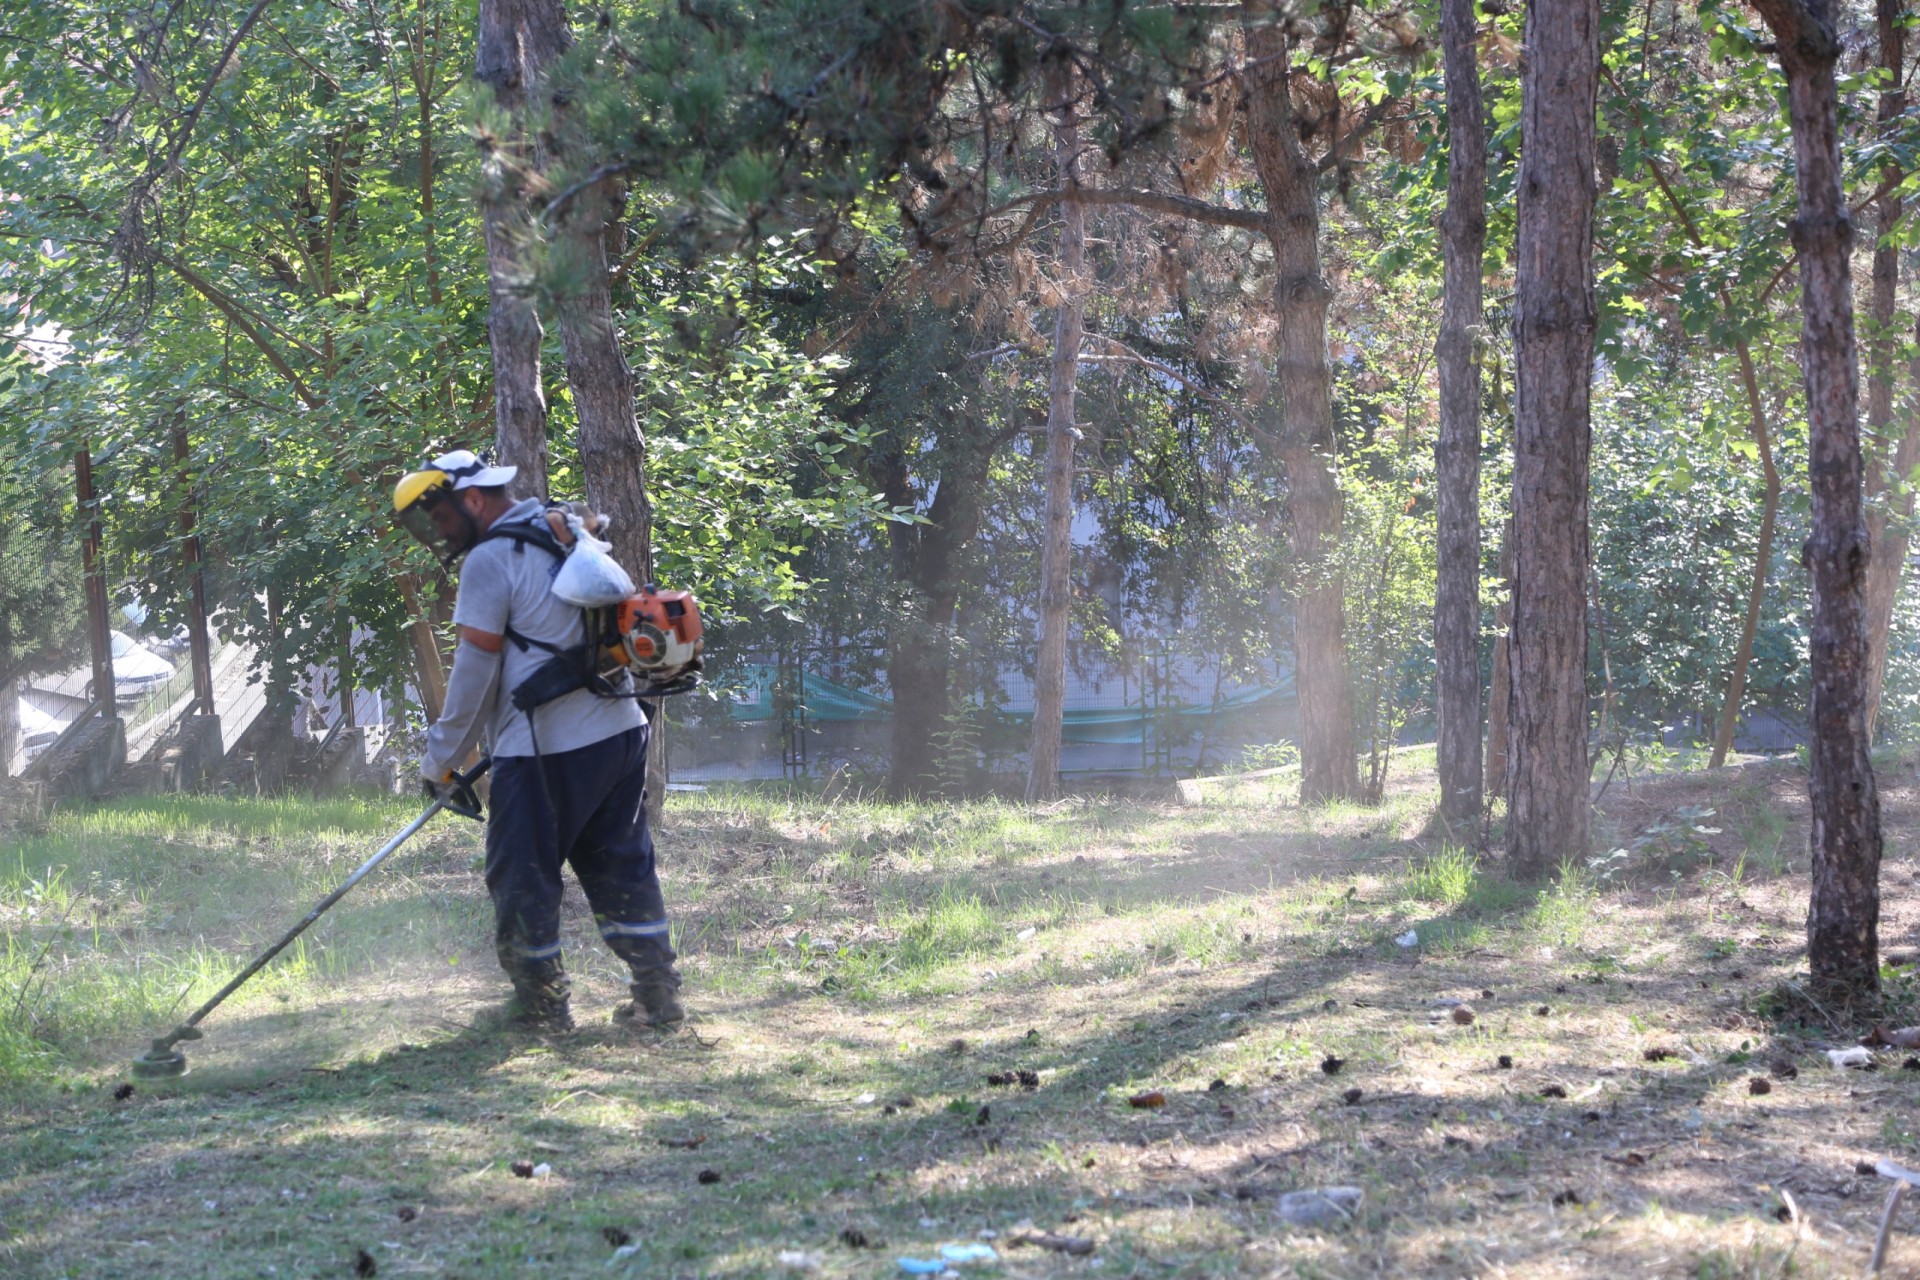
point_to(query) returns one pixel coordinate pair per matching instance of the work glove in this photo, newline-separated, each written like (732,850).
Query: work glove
(436,783)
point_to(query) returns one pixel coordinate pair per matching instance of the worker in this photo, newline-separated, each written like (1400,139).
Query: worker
(567,788)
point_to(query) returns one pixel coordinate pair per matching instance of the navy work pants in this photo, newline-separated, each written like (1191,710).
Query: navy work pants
(597,822)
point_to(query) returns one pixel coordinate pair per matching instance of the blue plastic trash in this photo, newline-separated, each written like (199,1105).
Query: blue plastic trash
(921,1266)
(959,1255)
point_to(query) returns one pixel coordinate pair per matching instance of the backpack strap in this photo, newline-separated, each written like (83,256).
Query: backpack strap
(528,533)
(534,532)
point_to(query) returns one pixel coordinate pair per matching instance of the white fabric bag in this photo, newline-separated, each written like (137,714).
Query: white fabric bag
(589,578)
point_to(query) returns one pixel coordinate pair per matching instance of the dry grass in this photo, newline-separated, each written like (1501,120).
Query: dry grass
(859,971)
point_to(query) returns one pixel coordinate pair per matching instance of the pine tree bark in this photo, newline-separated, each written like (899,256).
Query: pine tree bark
(1329,768)
(512,50)
(1843,918)
(1501,685)
(1553,333)
(1456,606)
(519,50)
(1056,547)
(1891,463)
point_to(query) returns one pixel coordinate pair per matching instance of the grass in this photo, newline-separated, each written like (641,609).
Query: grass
(859,972)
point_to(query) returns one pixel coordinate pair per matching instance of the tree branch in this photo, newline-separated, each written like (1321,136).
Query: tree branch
(245,324)
(206,89)
(1152,201)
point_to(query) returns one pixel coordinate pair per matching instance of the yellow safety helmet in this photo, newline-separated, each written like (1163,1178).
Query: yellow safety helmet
(415,485)
(424,502)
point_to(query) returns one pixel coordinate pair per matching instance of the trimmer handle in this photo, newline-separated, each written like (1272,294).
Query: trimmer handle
(460,797)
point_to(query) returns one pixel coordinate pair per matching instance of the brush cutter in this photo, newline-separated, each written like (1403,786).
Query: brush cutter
(165,1059)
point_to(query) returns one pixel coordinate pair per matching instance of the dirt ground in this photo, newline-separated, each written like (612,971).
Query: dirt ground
(1133,1028)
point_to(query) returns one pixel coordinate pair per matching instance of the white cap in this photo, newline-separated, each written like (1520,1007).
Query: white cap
(467,470)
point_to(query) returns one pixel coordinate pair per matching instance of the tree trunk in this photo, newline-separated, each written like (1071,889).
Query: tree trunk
(1056,545)
(1329,768)
(1886,475)
(920,679)
(1553,331)
(429,669)
(613,453)
(1456,605)
(1500,687)
(1843,918)
(1762,560)
(510,58)
(98,611)
(613,456)
(1887,532)
(9,723)
(926,574)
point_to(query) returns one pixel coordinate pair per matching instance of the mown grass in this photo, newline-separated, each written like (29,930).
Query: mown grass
(858,971)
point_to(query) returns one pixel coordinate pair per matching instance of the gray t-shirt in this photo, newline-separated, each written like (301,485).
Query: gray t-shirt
(506,583)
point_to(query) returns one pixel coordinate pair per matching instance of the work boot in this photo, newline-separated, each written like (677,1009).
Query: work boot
(655,1003)
(540,998)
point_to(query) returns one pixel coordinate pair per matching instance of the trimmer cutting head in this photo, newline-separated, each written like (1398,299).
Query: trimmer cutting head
(163,1059)
(160,1061)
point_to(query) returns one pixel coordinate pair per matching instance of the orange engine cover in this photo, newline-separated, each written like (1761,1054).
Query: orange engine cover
(658,630)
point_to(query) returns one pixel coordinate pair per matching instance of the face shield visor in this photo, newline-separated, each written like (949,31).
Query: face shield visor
(440,524)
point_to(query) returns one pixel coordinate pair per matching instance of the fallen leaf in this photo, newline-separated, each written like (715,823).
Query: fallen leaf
(1463,1015)
(1148,1100)
(364,1265)
(1633,1159)
(684,1144)
(1331,1065)
(521,1168)
(1758,1085)
(707,1177)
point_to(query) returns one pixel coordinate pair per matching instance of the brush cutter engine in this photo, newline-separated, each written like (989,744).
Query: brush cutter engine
(657,636)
